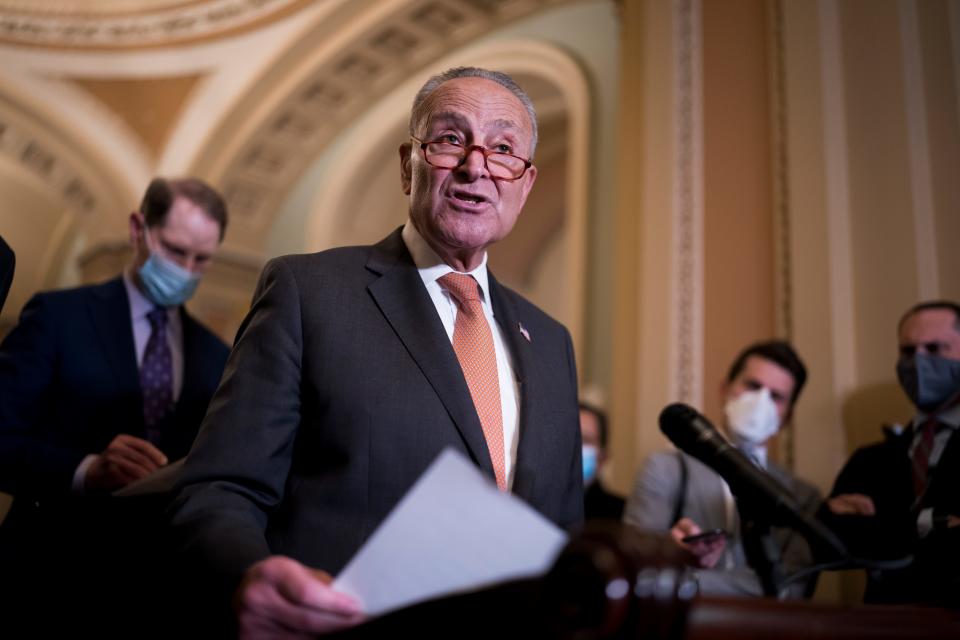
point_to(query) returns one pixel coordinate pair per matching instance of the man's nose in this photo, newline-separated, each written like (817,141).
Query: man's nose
(189,263)
(474,162)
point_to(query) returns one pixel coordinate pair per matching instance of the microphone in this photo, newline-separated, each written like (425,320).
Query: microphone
(693,434)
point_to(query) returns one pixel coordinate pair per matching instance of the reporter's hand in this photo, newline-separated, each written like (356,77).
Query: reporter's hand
(708,552)
(281,598)
(855,504)
(126,458)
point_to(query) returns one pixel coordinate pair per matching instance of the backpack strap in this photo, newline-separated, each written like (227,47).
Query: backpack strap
(682,490)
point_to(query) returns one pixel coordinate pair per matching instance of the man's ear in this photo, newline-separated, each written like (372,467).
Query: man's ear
(405,150)
(137,223)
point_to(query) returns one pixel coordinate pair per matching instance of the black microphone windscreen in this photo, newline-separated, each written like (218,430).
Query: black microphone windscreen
(690,431)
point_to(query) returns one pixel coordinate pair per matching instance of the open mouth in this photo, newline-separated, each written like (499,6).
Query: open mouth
(468,197)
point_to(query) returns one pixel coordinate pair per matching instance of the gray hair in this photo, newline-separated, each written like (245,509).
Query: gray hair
(416,113)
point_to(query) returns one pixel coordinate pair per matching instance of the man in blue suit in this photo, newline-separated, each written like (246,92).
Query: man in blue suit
(105,384)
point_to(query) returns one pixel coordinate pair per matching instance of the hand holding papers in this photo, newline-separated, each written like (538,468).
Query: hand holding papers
(453,531)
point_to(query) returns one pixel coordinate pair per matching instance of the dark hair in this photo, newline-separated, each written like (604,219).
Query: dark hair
(504,80)
(930,305)
(778,352)
(160,194)
(601,417)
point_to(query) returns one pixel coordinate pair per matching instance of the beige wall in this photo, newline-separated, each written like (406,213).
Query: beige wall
(859,172)
(738,220)
(754,168)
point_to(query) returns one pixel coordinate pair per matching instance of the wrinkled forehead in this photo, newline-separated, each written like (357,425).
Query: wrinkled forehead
(930,324)
(475,102)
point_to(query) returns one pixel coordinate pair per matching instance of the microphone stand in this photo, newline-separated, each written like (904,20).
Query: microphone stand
(762,551)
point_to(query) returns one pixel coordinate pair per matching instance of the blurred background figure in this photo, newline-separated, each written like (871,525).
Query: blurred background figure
(677,493)
(102,385)
(599,502)
(901,496)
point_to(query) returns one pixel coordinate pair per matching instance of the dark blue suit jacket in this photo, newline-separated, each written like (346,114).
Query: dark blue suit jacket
(7,263)
(341,389)
(69,384)
(883,471)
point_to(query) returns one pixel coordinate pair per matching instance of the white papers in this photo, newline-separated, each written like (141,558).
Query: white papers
(453,531)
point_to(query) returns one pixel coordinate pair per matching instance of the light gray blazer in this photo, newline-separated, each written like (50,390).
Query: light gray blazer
(653,503)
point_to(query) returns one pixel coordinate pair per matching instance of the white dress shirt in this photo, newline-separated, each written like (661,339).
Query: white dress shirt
(431,268)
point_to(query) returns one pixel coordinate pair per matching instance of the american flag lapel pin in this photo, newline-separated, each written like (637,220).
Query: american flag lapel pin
(523,331)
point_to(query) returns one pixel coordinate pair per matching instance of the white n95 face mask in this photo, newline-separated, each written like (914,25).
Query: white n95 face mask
(752,417)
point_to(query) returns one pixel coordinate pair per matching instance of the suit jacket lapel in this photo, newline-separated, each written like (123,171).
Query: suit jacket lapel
(110,311)
(111,315)
(522,355)
(405,303)
(190,354)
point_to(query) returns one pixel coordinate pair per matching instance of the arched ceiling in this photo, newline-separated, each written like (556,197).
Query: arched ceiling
(95,97)
(336,71)
(244,93)
(133,24)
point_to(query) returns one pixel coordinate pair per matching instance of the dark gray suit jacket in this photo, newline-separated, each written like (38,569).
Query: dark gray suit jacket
(656,493)
(342,387)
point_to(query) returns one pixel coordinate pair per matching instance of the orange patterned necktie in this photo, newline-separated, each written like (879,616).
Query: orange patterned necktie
(473,344)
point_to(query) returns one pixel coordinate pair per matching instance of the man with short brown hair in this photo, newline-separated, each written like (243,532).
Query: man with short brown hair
(100,386)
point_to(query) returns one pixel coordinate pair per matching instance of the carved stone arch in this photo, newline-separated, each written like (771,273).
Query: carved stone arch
(349,205)
(84,194)
(349,59)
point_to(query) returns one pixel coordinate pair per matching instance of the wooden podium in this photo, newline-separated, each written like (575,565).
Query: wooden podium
(613,581)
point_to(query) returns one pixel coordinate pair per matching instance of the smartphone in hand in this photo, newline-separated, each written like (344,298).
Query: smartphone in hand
(706,536)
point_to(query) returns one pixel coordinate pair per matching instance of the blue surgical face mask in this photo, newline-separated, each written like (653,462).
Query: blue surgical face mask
(165,282)
(589,463)
(929,381)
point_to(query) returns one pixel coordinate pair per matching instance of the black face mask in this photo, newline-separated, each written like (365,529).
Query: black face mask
(929,381)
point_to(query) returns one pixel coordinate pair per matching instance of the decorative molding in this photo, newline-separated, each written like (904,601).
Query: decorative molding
(280,132)
(783,275)
(688,202)
(781,171)
(187,21)
(41,160)
(839,225)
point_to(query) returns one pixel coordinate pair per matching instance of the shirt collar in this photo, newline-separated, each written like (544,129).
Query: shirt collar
(950,417)
(141,305)
(431,267)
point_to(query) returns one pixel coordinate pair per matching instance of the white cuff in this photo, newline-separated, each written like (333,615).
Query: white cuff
(925,522)
(80,475)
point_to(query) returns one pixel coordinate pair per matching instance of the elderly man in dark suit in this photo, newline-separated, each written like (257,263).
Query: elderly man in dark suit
(357,366)
(102,385)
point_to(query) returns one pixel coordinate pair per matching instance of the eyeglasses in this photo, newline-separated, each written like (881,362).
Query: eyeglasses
(446,155)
